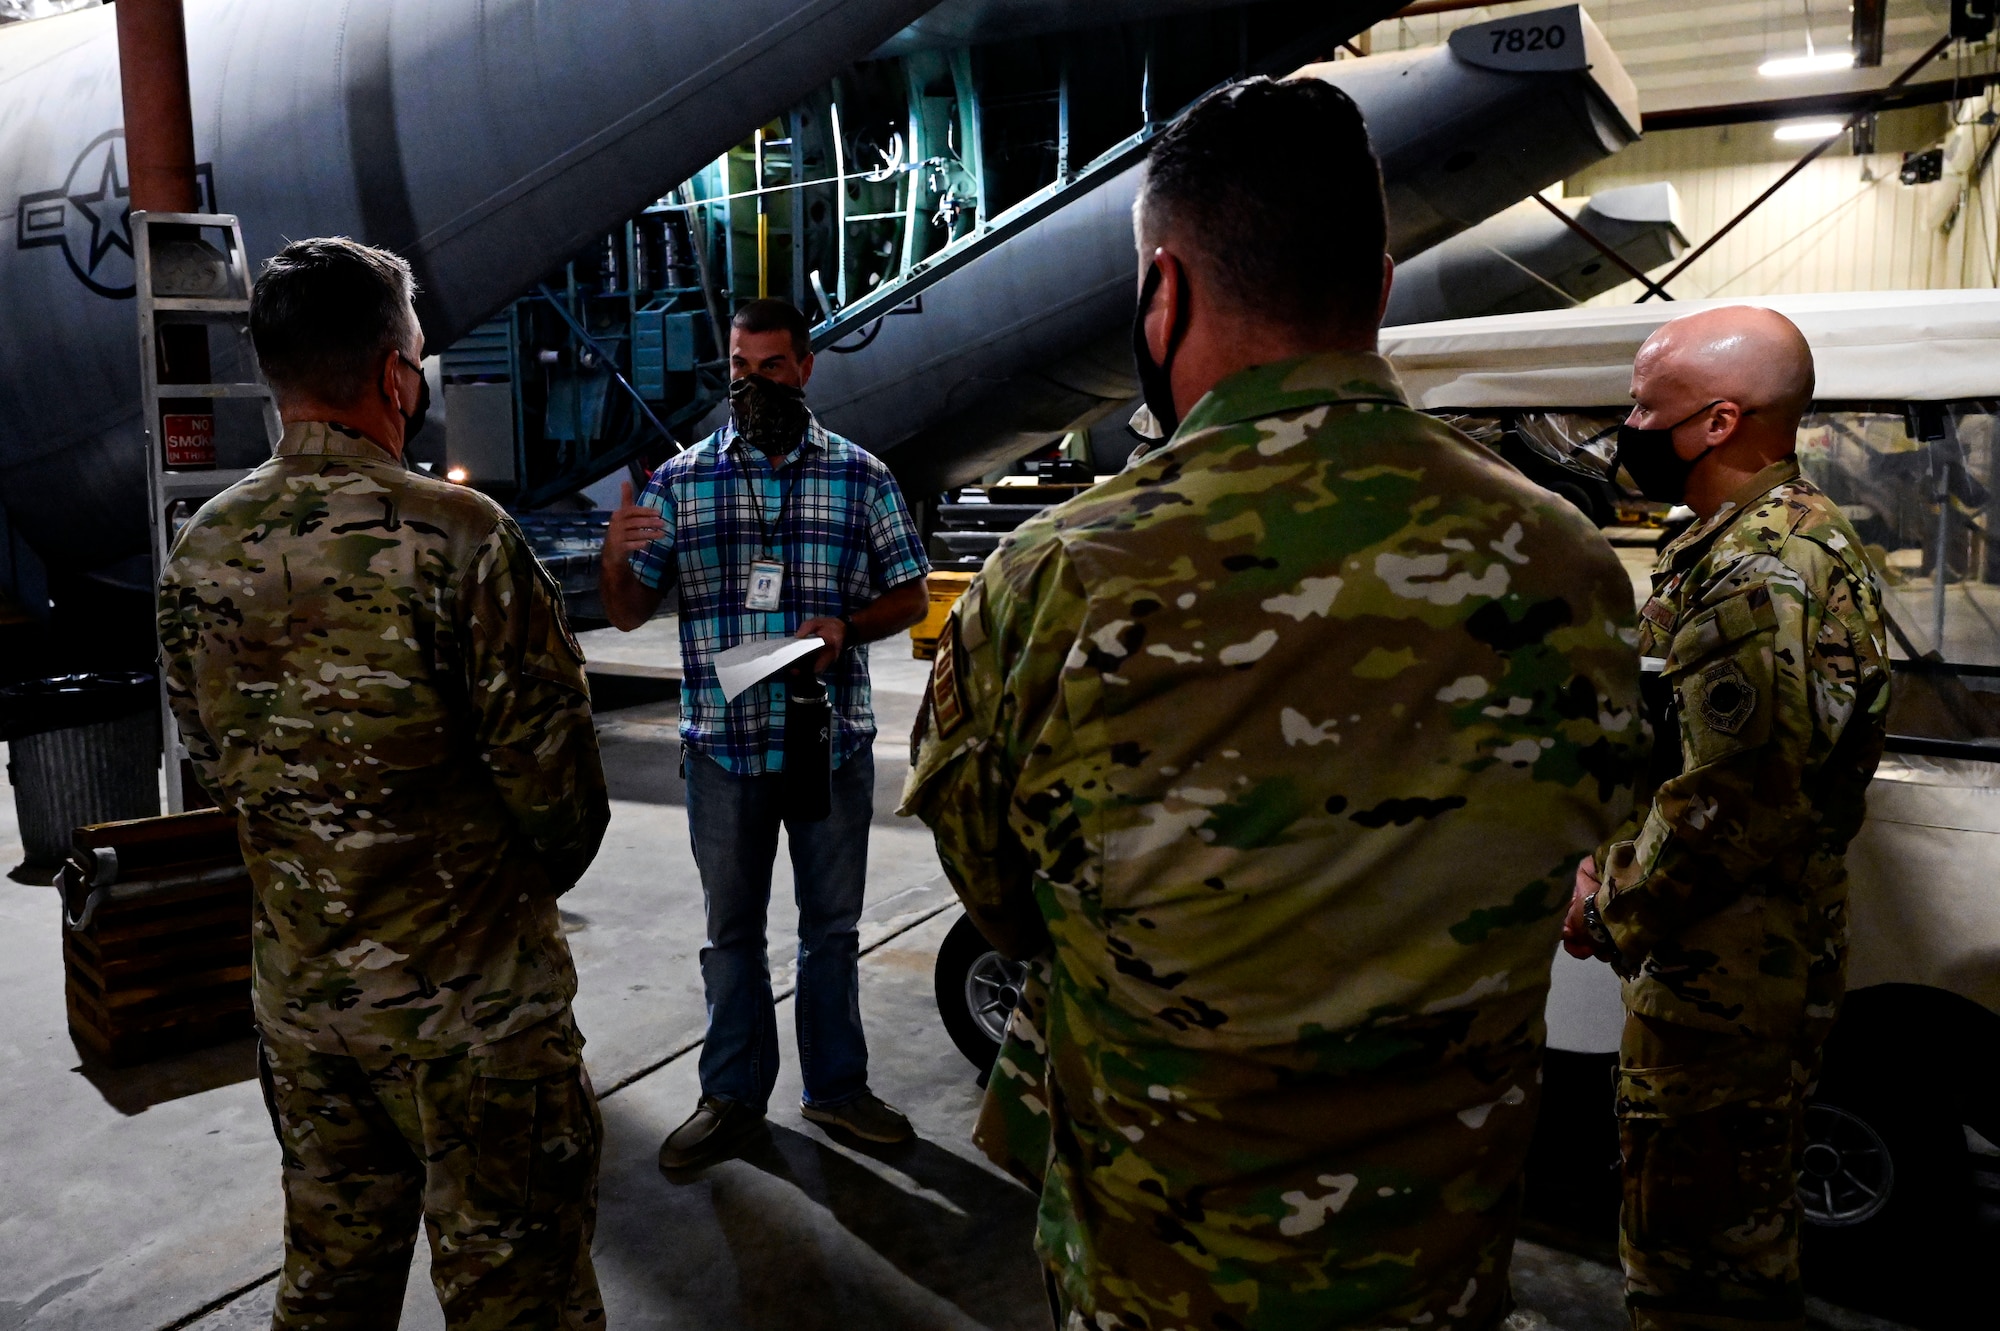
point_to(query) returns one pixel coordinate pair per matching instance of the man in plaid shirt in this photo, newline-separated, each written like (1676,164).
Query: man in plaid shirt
(773,527)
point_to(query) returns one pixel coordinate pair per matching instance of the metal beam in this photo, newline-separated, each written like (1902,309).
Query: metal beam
(1820,104)
(1652,288)
(1869,32)
(1440,7)
(1937,49)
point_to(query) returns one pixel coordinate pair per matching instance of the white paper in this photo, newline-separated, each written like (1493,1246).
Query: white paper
(748,663)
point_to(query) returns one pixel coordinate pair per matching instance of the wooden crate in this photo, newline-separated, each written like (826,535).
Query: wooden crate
(156,943)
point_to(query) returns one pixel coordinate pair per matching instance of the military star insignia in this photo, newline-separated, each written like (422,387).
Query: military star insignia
(109,213)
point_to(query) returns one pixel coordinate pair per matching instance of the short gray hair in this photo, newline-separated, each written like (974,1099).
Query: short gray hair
(323,314)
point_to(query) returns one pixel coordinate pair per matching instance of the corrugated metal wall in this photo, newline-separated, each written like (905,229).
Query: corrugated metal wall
(1845,223)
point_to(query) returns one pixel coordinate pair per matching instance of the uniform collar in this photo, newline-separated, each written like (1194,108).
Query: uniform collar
(325,439)
(815,438)
(1778,473)
(1292,385)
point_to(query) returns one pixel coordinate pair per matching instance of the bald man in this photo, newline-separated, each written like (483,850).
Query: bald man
(1723,904)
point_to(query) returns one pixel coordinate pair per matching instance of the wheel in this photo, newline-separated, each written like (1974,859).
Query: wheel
(1885,1187)
(976,992)
(1846,1171)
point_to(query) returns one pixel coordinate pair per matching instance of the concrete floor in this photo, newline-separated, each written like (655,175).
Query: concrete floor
(147,1199)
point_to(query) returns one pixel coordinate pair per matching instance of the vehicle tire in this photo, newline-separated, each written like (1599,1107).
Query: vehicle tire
(976,991)
(1885,1181)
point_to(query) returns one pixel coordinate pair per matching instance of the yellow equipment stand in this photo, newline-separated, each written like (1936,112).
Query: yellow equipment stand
(946,588)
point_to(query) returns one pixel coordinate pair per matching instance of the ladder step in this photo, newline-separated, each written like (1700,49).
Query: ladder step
(198,484)
(213,390)
(194,305)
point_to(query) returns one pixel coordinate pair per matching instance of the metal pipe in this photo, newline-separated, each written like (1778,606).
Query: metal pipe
(1062,117)
(159,114)
(763,218)
(1941,488)
(192,880)
(698,241)
(839,207)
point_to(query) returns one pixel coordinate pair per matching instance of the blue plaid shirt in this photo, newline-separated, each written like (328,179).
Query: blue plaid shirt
(836,521)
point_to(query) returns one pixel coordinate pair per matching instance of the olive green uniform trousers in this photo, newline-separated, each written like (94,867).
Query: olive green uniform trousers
(495,1149)
(1710,1127)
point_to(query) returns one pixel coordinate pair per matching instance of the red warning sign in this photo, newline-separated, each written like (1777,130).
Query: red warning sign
(190,440)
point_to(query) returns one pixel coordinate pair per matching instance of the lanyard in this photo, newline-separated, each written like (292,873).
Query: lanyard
(764,527)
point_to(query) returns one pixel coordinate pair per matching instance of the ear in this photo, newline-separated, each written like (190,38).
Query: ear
(1720,426)
(1168,301)
(1388,285)
(806,370)
(387,381)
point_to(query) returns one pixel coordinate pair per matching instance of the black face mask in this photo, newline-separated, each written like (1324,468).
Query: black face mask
(1648,455)
(1156,378)
(413,422)
(770,416)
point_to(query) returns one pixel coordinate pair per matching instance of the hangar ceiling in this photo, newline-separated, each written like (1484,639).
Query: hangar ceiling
(1703,53)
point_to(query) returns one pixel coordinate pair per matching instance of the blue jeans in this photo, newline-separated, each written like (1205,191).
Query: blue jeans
(733,821)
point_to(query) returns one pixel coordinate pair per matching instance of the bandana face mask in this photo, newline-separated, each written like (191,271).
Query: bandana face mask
(770,416)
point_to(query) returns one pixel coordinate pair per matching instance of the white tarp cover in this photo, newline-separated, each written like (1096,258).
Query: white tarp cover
(1914,346)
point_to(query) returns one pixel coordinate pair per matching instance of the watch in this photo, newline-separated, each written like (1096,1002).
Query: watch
(1600,937)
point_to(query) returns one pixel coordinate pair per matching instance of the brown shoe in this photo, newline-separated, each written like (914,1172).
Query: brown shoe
(864,1116)
(714,1130)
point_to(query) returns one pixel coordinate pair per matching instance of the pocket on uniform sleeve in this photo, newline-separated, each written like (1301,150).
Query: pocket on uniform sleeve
(552,653)
(1721,668)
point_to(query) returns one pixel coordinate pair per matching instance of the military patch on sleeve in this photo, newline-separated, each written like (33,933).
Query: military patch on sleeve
(947,689)
(971,618)
(1727,698)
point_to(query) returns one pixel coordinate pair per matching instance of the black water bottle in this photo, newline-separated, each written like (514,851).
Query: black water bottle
(807,780)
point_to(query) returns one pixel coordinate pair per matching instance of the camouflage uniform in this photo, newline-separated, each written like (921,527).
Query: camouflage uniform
(1727,901)
(1292,736)
(371,669)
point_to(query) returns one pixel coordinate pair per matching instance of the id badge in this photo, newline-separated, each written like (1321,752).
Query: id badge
(767,582)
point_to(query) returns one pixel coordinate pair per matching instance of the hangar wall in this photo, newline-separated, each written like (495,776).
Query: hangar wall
(1846,223)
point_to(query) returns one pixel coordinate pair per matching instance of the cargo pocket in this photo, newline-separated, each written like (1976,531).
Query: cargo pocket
(1707,1180)
(1706,1143)
(504,1142)
(536,1142)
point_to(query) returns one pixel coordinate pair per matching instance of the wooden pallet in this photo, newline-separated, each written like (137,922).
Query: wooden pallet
(161,964)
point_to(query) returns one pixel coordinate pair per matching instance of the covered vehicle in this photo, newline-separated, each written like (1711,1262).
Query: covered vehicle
(1899,1174)
(1902,436)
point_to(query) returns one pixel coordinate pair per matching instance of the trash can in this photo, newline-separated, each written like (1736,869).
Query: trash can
(81,749)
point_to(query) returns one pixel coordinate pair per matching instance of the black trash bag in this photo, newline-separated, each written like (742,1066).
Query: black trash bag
(806,790)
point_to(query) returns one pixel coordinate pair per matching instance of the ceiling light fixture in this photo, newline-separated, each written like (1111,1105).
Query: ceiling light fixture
(1808,129)
(1812,62)
(1791,66)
